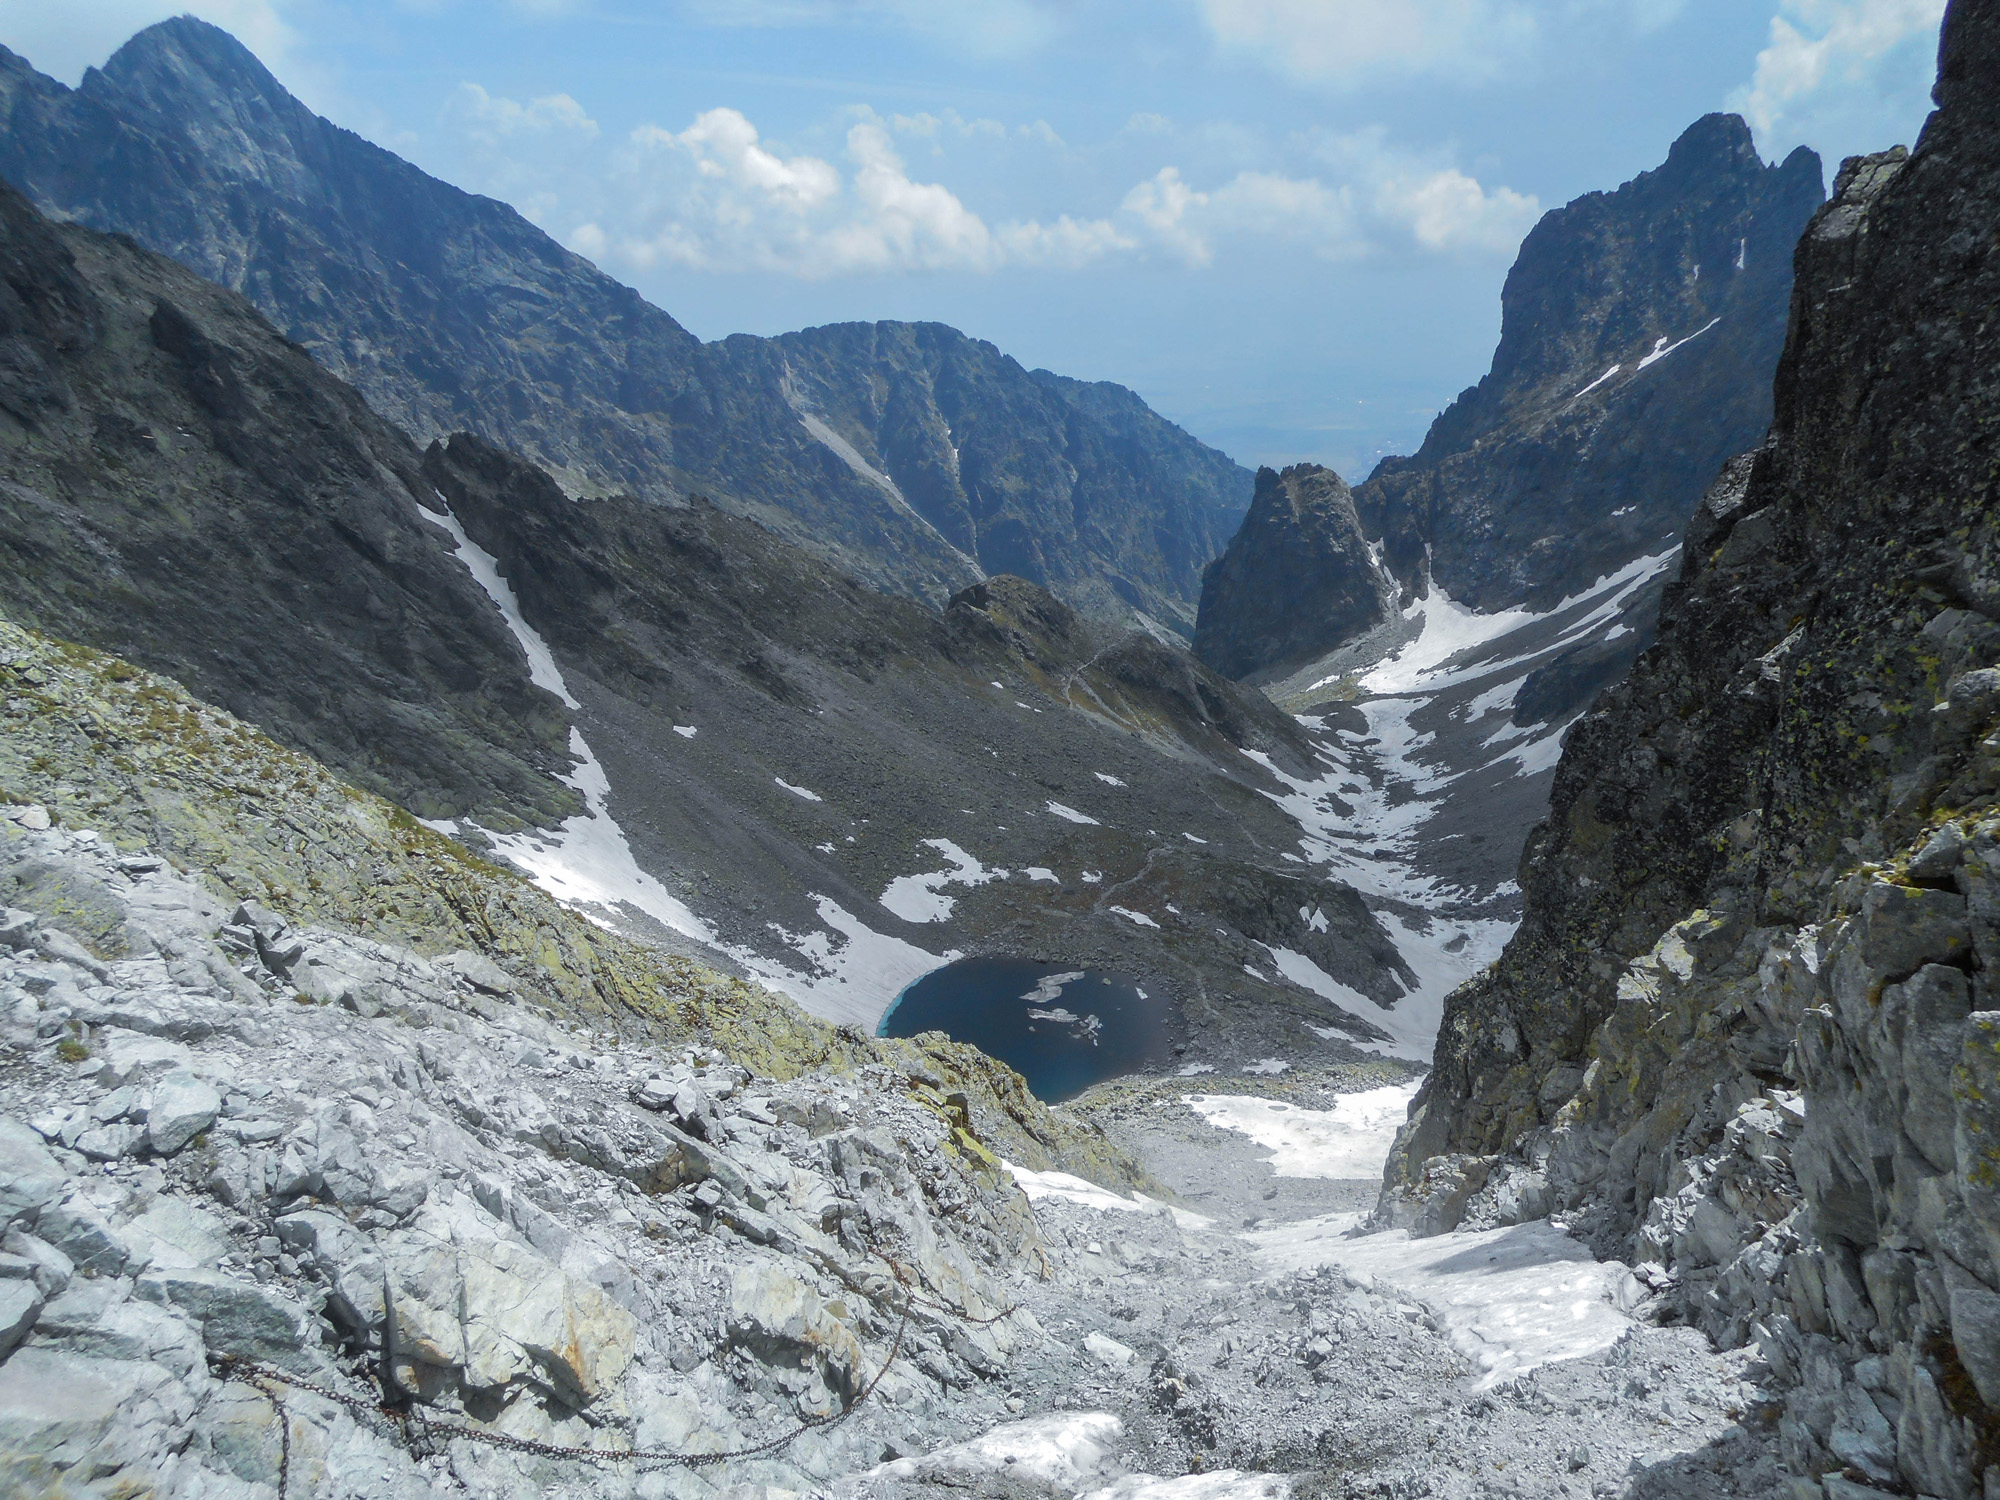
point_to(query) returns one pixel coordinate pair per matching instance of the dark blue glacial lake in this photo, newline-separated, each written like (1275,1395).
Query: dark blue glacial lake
(1060,1029)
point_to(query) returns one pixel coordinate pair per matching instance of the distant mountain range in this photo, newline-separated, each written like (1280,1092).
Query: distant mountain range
(915,458)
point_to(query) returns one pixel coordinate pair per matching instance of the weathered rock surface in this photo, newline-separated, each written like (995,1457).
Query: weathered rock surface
(913,457)
(1297,577)
(1745,1035)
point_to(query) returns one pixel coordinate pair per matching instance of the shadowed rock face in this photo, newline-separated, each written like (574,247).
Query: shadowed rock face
(1297,580)
(180,485)
(913,457)
(1588,443)
(1745,1034)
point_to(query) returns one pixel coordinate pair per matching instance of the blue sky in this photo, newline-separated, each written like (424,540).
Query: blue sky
(1285,223)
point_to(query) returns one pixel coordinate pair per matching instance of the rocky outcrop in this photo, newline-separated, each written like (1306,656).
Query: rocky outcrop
(913,457)
(1745,1034)
(1639,330)
(1298,579)
(183,486)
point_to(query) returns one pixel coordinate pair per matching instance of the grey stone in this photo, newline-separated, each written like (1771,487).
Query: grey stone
(64,1416)
(236,1317)
(1939,857)
(99,1317)
(130,1057)
(17,928)
(1975,1333)
(1904,928)
(110,1142)
(20,1304)
(30,1178)
(85,1235)
(1863,1438)
(479,971)
(1108,1351)
(48,1267)
(64,949)
(183,1107)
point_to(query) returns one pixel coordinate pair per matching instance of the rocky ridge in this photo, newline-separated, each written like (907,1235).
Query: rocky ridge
(180,485)
(912,456)
(1744,1036)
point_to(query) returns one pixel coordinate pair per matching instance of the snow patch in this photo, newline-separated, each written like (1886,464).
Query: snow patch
(1662,349)
(798,791)
(1597,382)
(686,731)
(1042,872)
(1350,1140)
(1133,916)
(1512,1299)
(855,972)
(1269,1067)
(1107,779)
(920,898)
(587,862)
(1064,1451)
(1060,1185)
(1070,814)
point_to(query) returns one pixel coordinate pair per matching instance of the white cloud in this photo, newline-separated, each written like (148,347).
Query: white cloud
(1378,198)
(714,197)
(1353,41)
(490,120)
(723,146)
(1826,56)
(1447,210)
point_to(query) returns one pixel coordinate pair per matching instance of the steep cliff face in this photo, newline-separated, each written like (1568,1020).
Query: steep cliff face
(1298,575)
(1747,1032)
(181,485)
(915,458)
(1639,330)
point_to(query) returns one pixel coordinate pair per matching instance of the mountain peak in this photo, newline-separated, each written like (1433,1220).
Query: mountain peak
(183,50)
(1715,142)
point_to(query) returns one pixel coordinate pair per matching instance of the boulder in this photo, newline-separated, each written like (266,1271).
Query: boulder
(1975,1333)
(97,1316)
(67,1420)
(479,971)
(236,1317)
(1108,1351)
(130,1057)
(30,1178)
(20,1304)
(784,1321)
(468,1298)
(183,1107)
(110,1142)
